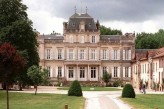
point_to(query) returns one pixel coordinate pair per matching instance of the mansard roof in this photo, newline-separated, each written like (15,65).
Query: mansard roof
(57,37)
(75,19)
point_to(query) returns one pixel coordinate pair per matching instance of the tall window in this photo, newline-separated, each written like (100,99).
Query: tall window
(104,54)
(82,72)
(70,53)
(93,39)
(93,72)
(115,54)
(48,53)
(126,71)
(126,54)
(82,39)
(81,54)
(70,72)
(59,71)
(104,70)
(115,71)
(49,71)
(59,53)
(93,54)
(71,39)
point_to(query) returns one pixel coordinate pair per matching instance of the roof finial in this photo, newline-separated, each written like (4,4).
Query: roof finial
(86,9)
(75,9)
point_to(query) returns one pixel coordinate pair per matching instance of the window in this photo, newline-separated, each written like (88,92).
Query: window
(115,54)
(59,71)
(81,54)
(93,39)
(48,53)
(70,72)
(82,72)
(82,26)
(93,54)
(71,39)
(93,72)
(49,71)
(59,53)
(126,72)
(104,54)
(126,54)
(70,54)
(115,71)
(104,70)
(82,39)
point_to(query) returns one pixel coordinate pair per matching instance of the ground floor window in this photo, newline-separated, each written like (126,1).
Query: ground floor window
(49,71)
(115,71)
(70,72)
(104,70)
(93,72)
(82,72)
(126,72)
(59,71)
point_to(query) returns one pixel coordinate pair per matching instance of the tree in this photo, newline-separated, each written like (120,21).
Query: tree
(106,77)
(16,28)
(11,63)
(128,91)
(108,31)
(75,89)
(150,40)
(37,75)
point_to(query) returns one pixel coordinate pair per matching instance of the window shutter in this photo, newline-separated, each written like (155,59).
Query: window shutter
(107,55)
(129,54)
(112,54)
(89,54)
(45,52)
(123,54)
(51,54)
(118,54)
(112,71)
(101,56)
(78,54)
(67,54)
(56,71)
(51,72)
(129,72)
(123,71)
(62,72)
(118,72)
(96,54)
(62,53)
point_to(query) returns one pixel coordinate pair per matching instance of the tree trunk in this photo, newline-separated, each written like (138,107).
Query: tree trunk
(4,86)
(7,93)
(20,87)
(36,88)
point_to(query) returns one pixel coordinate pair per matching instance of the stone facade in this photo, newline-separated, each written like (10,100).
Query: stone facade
(83,54)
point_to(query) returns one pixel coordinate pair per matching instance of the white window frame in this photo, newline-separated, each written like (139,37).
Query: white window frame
(82,72)
(82,51)
(93,39)
(59,72)
(93,72)
(59,53)
(93,54)
(70,54)
(48,53)
(104,69)
(115,73)
(70,72)
(104,54)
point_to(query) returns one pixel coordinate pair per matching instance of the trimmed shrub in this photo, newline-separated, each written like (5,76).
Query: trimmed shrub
(116,83)
(75,89)
(128,91)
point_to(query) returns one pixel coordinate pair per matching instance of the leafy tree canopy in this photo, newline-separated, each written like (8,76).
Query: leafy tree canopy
(16,28)
(150,40)
(108,31)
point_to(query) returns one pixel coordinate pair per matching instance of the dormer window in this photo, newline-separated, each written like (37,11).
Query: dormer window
(73,24)
(89,24)
(82,27)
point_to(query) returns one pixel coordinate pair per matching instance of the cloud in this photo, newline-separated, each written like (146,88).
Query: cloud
(127,15)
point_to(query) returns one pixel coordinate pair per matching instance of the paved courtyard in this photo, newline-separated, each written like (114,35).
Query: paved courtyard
(94,99)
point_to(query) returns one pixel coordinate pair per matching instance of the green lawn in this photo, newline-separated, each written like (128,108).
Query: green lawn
(93,88)
(40,101)
(147,101)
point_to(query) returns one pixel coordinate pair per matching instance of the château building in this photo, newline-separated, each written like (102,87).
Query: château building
(82,54)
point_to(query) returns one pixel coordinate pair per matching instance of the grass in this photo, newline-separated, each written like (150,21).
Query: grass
(93,88)
(146,101)
(40,101)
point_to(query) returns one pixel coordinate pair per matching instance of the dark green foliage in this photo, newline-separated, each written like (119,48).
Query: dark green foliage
(16,28)
(150,40)
(75,89)
(128,91)
(116,83)
(108,31)
(106,77)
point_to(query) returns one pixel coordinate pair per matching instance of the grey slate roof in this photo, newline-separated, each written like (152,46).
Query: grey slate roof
(75,20)
(52,37)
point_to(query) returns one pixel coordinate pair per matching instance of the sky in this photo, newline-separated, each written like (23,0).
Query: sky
(126,15)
